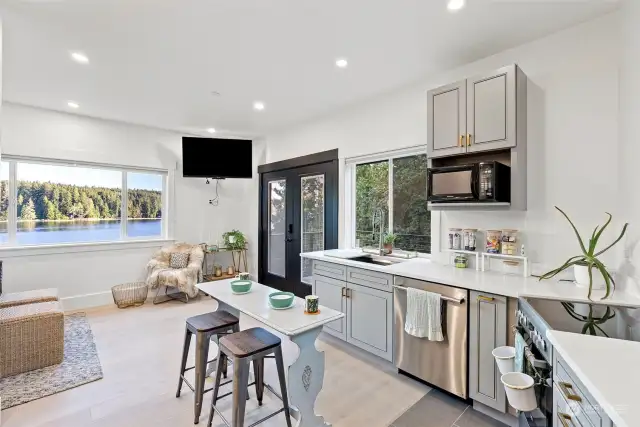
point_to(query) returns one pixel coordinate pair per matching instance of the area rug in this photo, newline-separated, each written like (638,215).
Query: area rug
(81,365)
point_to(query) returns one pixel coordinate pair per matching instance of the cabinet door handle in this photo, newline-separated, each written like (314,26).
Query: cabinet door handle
(461,143)
(348,293)
(483,298)
(343,291)
(565,419)
(468,139)
(567,390)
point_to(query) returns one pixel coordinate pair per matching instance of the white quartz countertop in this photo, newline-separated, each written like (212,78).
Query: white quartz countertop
(608,368)
(485,281)
(255,304)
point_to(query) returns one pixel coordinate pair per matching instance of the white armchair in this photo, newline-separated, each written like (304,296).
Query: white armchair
(160,273)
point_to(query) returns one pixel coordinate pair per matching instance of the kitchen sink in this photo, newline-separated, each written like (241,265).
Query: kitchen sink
(371,260)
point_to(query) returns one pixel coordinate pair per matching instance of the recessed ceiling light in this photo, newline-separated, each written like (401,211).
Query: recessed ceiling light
(455,5)
(258,105)
(211,130)
(73,104)
(80,57)
(341,63)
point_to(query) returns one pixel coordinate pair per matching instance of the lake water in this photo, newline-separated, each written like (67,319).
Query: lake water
(40,232)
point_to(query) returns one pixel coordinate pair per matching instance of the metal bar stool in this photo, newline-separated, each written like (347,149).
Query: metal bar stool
(251,345)
(204,327)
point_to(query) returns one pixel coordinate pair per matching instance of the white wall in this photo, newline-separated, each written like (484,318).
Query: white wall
(43,133)
(572,134)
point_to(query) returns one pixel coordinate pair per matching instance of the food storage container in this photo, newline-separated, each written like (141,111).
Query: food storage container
(493,241)
(461,261)
(455,238)
(509,241)
(470,239)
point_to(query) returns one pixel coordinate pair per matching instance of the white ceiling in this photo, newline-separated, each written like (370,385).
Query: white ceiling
(156,62)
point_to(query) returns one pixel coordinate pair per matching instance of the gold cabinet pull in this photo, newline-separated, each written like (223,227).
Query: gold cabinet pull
(461,143)
(567,389)
(483,298)
(468,139)
(343,292)
(565,419)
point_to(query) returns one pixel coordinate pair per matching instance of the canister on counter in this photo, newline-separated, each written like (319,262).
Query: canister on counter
(509,241)
(470,239)
(461,261)
(493,241)
(455,238)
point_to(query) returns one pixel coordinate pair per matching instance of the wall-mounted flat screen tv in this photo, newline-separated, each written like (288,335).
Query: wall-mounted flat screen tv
(216,158)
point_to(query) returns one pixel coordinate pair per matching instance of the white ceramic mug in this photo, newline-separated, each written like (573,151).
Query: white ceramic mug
(311,304)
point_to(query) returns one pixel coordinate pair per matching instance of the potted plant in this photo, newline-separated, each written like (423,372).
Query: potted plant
(234,240)
(389,240)
(584,264)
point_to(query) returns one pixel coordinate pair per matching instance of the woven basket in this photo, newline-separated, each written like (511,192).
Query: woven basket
(130,294)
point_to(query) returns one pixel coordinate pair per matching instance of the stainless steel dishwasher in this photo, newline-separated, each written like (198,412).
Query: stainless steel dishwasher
(441,363)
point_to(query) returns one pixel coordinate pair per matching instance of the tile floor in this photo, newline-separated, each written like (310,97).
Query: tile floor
(437,409)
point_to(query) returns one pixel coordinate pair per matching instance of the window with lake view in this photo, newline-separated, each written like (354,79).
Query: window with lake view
(66,203)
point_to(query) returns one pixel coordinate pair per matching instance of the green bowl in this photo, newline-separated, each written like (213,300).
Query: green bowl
(241,286)
(281,299)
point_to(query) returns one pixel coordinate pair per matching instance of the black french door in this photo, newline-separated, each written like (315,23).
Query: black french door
(298,213)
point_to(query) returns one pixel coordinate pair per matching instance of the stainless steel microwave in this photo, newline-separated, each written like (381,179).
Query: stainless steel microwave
(485,182)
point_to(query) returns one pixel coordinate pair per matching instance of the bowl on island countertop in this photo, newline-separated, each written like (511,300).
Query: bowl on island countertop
(241,286)
(281,299)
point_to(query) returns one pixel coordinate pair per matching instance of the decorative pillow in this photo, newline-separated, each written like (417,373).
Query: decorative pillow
(179,260)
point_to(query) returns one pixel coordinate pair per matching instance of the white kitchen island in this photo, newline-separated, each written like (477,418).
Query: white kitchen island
(305,376)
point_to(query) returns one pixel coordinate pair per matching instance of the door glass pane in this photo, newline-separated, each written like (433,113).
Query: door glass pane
(312,212)
(411,219)
(277,228)
(4,201)
(64,204)
(372,193)
(144,204)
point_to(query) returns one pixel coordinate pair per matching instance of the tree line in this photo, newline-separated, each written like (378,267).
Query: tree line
(50,201)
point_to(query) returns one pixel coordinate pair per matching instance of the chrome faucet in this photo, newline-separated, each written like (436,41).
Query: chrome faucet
(378,216)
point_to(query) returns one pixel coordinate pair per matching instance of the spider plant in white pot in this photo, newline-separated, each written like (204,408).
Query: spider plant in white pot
(585,263)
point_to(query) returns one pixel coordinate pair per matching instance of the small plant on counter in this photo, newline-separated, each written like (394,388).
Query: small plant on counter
(389,240)
(234,239)
(584,264)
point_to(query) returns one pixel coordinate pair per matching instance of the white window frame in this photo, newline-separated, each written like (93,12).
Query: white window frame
(350,195)
(12,220)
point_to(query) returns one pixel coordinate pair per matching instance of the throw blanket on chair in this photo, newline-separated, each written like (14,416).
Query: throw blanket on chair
(159,272)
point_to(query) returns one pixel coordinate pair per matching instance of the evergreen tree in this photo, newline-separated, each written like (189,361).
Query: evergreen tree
(28,211)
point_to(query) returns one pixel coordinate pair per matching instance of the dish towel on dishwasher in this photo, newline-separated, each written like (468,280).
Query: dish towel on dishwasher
(423,315)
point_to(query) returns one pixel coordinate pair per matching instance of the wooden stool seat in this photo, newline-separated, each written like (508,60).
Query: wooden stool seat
(245,347)
(209,321)
(249,342)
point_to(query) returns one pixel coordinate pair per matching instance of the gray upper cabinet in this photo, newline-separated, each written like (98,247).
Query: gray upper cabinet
(370,320)
(487,330)
(484,113)
(491,110)
(332,294)
(447,120)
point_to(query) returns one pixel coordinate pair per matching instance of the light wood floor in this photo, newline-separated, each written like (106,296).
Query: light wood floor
(140,351)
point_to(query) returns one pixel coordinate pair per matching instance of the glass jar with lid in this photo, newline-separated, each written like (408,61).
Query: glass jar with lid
(469,239)
(493,241)
(455,238)
(509,242)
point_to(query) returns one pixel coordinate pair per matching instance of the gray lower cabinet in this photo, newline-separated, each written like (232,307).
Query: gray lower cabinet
(367,304)
(331,293)
(487,330)
(370,320)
